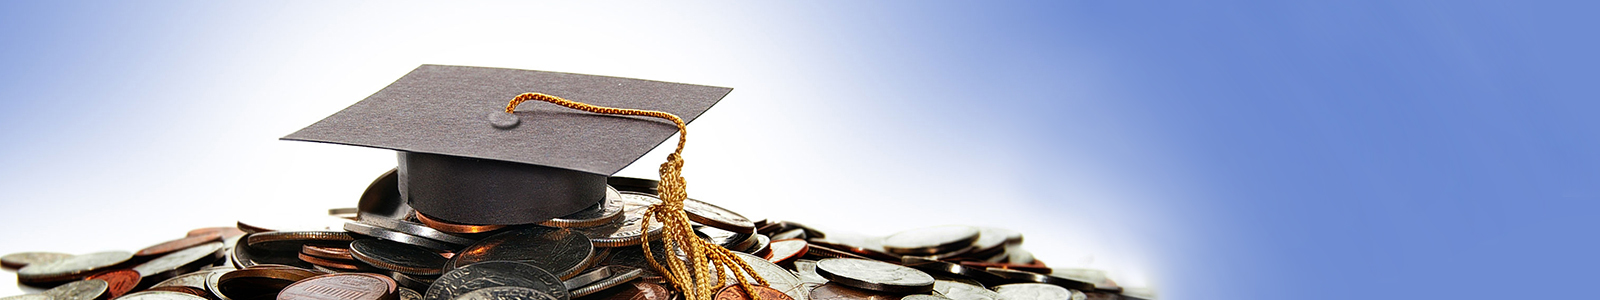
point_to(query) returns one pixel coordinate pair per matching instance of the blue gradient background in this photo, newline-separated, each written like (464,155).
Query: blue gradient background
(1211,150)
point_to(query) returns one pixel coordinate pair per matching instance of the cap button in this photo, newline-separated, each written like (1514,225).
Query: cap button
(503,120)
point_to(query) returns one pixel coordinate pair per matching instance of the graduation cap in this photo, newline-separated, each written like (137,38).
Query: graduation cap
(463,159)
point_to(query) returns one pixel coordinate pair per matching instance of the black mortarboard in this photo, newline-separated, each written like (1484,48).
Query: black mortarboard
(460,162)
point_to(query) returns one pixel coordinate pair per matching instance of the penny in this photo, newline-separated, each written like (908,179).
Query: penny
(924,297)
(931,240)
(179,244)
(1031,277)
(23,259)
(398,257)
(71,268)
(784,251)
(88,289)
(225,232)
(118,282)
(629,229)
(777,277)
(607,210)
(836,291)
(957,290)
(617,275)
(737,292)
(505,293)
(716,216)
(1033,291)
(181,289)
(558,251)
(468,278)
(180,262)
(875,275)
(327,252)
(392,235)
(415,229)
(635,290)
(336,265)
(343,286)
(445,226)
(161,295)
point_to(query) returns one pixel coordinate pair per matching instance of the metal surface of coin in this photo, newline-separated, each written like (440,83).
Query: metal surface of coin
(716,216)
(505,293)
(78,290)
(875,275)
(243,256)
(807,271)
(179,244)
(818,251)
(195,279)
(71,268)
(182,261)
(925,297)
(465,279)
(398,257)
(1031,277)
(957,290)
(442,225)
(294,240)
(344,286)
(257,283)
(334,265)
(416,282)
(182,289)
(629,229)
(737,292)
(1138,293)
(634,290)
(727,239)
(225,232)
(796,233)
(784,251)
(23,259)
(118,282)
(836,291)
(1032,291)
(761,247)
(1092,276)
(559,251)
(607,210)
(931,240)
(160,295)
(390,234)
(868,247)
(588,277)
(327,252)
(416,229)
(27,297)
(1036,268)
(408,294)
(618,276)
(777,277)
(630,184)
(944,268)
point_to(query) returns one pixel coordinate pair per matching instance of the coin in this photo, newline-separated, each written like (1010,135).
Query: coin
(225,232)
(88,289)
(777,278)
(727,239)
(71,268)
(559,251)
(398,257)
(1031,277)
(179,244)
(924,297)
(244,256)
(118,282)
(327,252)
(836,291)
(454,227)
(634,290)
(468,278)
(957,290)
(875,275)
(415,229)
(1096,277)
(258,283)
(294,240)
(737,292)
(181,289)
(931,240)
(950,269)
(30,297)
(615,276)
(629,184)
(390,234)
(807,271)
(342,286)
(23,259)
(334,265)
(761,246)
(505,293)
(603,212)
(180,262)
(1041,269)
(195,279)
(629,229)
(1137,293)
(867,250)
(815,250)
(1034,291)
(409,294)
(716,216)
(785,251)
(160,295)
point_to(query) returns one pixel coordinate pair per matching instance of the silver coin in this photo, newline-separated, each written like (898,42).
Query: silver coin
(587,277)
(716,216)
(1034,291)
(413,228)
(195,279)
(416,282)
(924,297)
(950,269)
(875,275)
(398,257)
(408,294)
(390,234)
(1092,276)
(19,260)
(161,295)
(627,230)
(807,271)
(466,279)
(71,268)
(727,239)
(78,290)
(244,256)
(777,277)
(617,276)
(28,297)
(562,252)
(180,262)
(931,240)
(957,290)
(760,246)
(506,293)
(609,209)
(1031,277)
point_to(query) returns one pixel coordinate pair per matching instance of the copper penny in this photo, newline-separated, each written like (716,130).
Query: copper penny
(118,282)
(327,252)
(736,292)
(226,232)
(835,291)
(445,226)
(343,286)
(635,290)
(330,263)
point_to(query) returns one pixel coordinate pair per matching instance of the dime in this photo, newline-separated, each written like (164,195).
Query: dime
(629,229)
(179,244)
(615,276)
(78,290)
(343,286)
(784,251)
(176,263)
(737,292)
(559,251)
(777,278)
(71,268)
(327,252)
(444,226)
(716,216)
(1034,291)
(23,259)
(398,257)
(118,282)
(390,234)
(415,229)
(836,291)
(505,293)
(160,295)
(992,241)
(1031,277)
(635,290)
(602,213)
(924,297)
(957,290)
(468,278)
(931,240)
(875,275)
(294,240)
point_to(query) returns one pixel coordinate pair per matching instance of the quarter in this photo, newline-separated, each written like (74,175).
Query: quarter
(875,275)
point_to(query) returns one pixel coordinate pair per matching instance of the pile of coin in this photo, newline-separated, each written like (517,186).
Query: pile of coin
(382,250)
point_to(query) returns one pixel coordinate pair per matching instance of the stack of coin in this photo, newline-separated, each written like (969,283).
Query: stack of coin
(385,251)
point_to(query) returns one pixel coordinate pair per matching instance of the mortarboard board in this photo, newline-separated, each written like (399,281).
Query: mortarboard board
(463,159)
